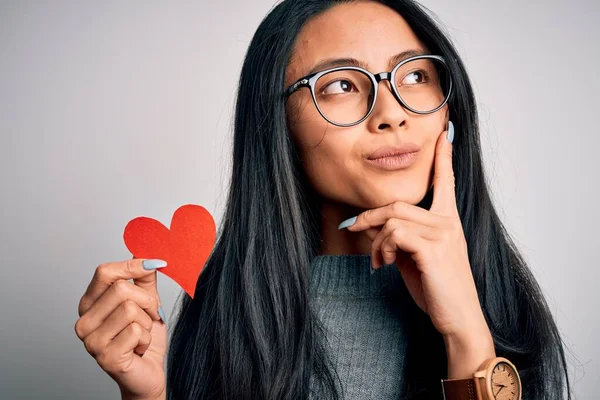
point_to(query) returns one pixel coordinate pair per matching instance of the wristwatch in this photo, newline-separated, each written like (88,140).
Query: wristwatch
(496,379)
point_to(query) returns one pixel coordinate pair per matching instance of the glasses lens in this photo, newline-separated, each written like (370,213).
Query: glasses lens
(344,96)
(423,84)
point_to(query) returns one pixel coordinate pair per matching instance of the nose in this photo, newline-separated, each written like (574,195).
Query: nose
(388,112)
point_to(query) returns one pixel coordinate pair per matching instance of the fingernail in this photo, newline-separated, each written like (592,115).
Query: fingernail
(450,135)
(347,223)
(371,265)
(153,264)
(161,313)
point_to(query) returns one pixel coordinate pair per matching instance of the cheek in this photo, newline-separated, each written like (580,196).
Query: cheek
(326,151)
(304,121)
(329,170)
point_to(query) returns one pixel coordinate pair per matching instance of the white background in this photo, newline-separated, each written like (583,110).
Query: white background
(111,110)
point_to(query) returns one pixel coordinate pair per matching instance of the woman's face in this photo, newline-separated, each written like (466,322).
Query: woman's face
(336,158)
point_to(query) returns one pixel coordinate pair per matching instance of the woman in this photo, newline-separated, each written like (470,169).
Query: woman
(284,308)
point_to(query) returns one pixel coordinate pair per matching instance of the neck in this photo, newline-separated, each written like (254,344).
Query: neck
(337,242)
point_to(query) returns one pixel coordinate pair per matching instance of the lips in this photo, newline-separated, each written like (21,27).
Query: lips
(392,151)
(393,163)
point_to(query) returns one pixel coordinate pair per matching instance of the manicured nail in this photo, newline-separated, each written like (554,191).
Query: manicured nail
(153,264)
(161,313)
(371,265)
(450,135)
(347,223)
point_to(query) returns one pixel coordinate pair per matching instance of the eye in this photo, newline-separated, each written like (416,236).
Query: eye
(414,77)
(342,84)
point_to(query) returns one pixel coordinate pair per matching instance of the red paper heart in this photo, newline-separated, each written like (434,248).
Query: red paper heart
(185,246)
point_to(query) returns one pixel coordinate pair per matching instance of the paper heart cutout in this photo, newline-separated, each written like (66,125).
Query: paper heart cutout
(185,246)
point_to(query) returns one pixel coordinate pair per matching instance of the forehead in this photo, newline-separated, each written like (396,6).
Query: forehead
(366,30)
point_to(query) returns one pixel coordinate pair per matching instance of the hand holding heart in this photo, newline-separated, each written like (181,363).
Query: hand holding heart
(430,250)
(185,246)
(119,321)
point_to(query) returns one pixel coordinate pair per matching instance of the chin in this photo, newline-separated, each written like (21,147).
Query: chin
(415,195)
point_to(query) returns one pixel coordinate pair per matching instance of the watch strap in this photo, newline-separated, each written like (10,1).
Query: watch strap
(459,389)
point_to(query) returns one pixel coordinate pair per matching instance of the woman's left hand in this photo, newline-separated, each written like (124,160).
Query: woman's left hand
(430,251)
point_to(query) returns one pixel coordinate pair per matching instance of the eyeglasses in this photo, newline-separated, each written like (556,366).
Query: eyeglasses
(345,96)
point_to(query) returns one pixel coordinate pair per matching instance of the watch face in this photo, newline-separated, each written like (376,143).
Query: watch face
(505,382)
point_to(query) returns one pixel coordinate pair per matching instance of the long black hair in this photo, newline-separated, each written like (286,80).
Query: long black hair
(251,332)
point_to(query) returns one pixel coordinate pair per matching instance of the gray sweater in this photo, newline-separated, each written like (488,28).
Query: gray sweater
(365,323)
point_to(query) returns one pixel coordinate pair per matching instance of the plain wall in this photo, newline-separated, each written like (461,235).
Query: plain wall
(114,109)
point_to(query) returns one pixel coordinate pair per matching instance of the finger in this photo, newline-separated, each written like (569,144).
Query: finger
(372,233)
(128,313)
(119,293)
(143,342)
(392,225)
(119,354)
(149,282)
(444,195)
(400,239)
(398,209)
(108,273)
(424,231)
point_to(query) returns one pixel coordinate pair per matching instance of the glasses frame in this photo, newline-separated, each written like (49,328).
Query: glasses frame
(309,81)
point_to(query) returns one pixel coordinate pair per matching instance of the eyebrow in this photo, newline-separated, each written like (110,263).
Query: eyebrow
(340,62)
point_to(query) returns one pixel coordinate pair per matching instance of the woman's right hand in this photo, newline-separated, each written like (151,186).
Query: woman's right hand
(121,326)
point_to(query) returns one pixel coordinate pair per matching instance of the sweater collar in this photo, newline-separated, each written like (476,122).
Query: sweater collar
(349,275)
